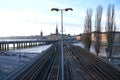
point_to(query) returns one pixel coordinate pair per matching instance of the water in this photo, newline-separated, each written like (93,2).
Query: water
(12,59)
(37,49)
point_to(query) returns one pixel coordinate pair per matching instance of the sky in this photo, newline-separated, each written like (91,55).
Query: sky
(29,17)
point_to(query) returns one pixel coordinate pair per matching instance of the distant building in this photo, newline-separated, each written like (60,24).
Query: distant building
(80,37)
(54,36)
(116,45)
(57,30)
(57,35)
(104,38)
(41,33)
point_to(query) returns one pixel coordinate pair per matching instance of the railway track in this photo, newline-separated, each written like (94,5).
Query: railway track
(49,67)
(96,68)
(79,70)
(79,65)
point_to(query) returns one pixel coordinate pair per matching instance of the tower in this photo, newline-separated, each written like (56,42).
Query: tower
(56,29)
(41,33)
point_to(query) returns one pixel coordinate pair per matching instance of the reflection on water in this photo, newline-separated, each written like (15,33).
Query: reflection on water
(36,49)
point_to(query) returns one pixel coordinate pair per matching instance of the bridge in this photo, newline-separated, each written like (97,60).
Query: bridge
(8,43)
(16,44)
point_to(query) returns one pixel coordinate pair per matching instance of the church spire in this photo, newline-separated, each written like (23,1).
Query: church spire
(56,29)
(41,33)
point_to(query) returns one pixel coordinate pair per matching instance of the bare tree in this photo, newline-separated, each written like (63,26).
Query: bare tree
(87,30)
(110,29)
(98,29)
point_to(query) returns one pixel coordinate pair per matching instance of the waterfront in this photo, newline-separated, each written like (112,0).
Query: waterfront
(13,59)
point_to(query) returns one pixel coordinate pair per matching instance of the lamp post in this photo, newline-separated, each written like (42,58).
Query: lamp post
(62,49)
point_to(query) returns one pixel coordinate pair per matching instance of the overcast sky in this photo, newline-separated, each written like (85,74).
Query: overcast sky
(29,17)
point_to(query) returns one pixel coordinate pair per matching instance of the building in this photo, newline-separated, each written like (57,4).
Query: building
(57,30)
(54,36)
(116,45)
(57,35)
(41,33)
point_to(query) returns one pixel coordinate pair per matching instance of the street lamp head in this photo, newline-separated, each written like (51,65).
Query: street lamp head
(54,9)
(68,9)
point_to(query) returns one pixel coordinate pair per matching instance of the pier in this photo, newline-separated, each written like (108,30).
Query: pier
(5,45)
